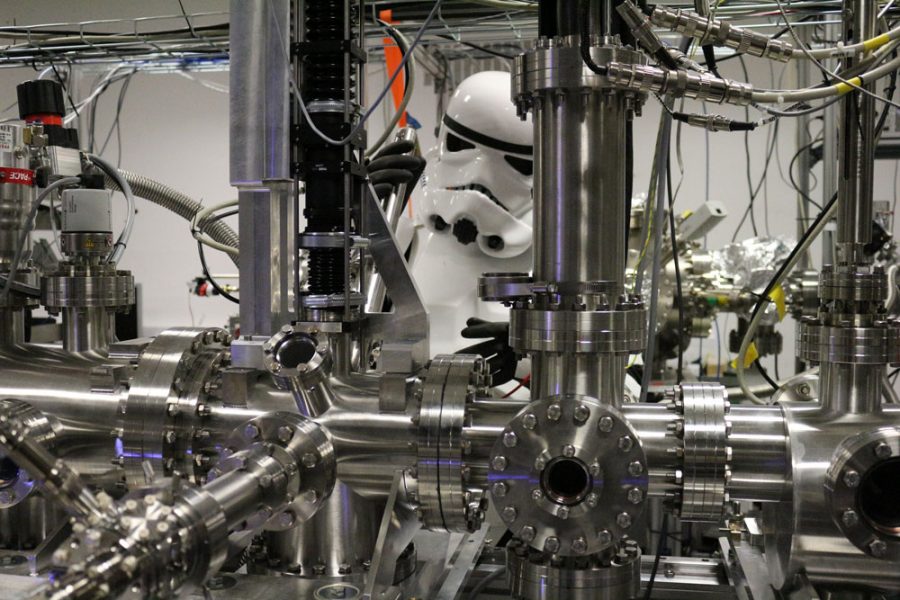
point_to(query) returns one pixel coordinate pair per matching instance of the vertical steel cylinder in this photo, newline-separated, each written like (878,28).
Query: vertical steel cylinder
(856,147)
(579,196)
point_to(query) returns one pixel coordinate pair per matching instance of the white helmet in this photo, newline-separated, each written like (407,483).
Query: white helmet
(479,187)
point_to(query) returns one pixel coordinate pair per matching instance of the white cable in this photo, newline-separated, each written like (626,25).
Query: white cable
(791,96)
(378,100)
(197,224)
(98,89)
(131,210)
(26,230)
(822,67)
(758,315)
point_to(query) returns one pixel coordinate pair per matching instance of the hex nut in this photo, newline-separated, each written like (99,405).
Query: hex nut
(883,451)
(604,536)
(527,534)
(551,544)
(605,424)
(582,413)
(509,514)
(554,412)
(510,439)
(625,443)
(849,518)
(635,468)
(579,545)
(499,489)
(635,495)
(623,520)
(499,463)
(851,478)
(529,421)
(309,460)
(877,548)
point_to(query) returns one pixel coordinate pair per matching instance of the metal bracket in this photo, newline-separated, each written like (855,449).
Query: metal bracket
(404,331)
(399,526)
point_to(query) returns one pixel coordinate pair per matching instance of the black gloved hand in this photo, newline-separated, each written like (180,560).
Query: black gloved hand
(393,165)
(501,358)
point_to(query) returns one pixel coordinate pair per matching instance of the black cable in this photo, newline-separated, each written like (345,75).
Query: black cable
(765,374)
(65,88)
(120,103)
(893,374)
(477,47)
(805,148)
(585,45)
(187,19)
(200,251)
(660,546)
(762,179)
(764,297)
(679,298)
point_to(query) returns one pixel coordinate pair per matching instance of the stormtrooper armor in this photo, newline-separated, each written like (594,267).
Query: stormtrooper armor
(472,210)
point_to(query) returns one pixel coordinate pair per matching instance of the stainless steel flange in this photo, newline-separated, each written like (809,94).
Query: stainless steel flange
(860,488)
(620,330)
(878,344)
(16,483)
(87,286)
(706,455)
(569,476)
(291,439)
(534,575)
(853,284)
(161,419)
(451,382)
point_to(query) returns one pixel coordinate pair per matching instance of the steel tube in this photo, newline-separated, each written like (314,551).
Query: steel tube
(856,148)
(88,329)
(760,462)
(579,195)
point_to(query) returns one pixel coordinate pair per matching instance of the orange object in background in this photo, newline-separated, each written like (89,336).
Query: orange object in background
(393,57)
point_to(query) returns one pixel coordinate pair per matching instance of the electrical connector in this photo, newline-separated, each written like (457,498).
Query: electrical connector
(642,30)
(641,78)
(714,122)
(721,33)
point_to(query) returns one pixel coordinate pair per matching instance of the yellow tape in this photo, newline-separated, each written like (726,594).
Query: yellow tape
(749,359)
(843,88)
(876,42)
(777,296)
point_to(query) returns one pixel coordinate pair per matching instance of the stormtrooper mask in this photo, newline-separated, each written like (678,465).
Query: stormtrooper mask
(478,186)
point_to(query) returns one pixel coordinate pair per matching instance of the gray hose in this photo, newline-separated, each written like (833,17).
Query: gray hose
(180,204)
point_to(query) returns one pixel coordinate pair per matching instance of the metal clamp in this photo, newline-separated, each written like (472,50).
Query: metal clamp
(451,382)
(875,345)
(706,455)
(620,331)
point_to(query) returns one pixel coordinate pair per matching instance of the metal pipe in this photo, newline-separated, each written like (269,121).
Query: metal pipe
(856,148)
(87,329)
(850,388)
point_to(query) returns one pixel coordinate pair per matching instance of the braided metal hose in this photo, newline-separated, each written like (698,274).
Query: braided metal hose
(177,202)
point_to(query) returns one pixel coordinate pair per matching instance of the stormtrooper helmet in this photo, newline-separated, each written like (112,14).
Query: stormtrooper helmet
(478,186)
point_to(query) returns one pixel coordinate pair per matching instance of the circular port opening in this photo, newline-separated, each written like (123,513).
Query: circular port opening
(9,472)
(566,480)
(878,494)
(296,350)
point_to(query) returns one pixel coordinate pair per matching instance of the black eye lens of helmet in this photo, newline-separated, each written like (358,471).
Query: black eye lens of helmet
(456,144)
(522,165)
